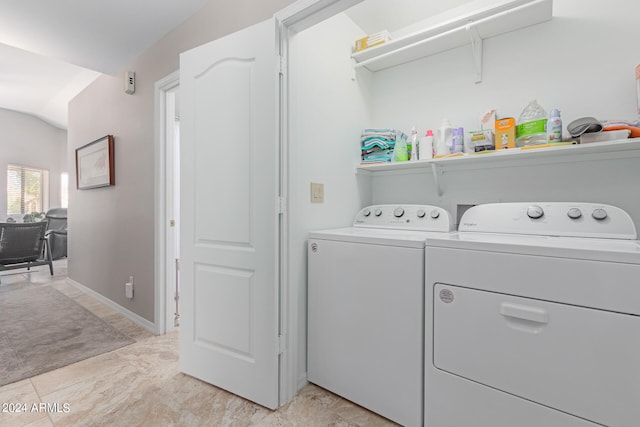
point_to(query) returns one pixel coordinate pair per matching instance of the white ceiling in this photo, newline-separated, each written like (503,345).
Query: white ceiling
(376,15)
(51,50)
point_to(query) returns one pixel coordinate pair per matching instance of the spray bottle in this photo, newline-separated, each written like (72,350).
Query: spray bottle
(554,127)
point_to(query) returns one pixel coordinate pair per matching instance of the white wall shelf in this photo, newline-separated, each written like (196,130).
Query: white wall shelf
(470,28)
(597,151)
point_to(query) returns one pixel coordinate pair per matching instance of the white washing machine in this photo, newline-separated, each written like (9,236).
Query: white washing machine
(533,318)
(366,308)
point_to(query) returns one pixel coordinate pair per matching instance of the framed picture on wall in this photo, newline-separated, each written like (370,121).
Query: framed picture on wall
(95,164)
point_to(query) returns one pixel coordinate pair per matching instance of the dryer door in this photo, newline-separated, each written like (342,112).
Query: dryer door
(577,360)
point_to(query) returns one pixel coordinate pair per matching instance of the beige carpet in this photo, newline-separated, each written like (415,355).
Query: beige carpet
(41,329)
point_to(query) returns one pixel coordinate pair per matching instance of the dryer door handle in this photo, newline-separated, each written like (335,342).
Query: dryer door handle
(517,311)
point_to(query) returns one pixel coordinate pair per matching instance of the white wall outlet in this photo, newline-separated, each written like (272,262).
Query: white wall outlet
(129,82)
(128,288)
(317,192)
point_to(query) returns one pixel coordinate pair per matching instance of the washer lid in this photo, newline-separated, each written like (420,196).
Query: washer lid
(376,236)
(596,249)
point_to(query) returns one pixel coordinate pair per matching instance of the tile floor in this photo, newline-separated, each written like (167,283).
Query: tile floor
(140,385)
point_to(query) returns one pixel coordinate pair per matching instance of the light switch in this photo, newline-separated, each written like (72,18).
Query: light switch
(317,192)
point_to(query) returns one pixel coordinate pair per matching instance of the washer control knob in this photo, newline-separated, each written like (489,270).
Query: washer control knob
(377,212)
(435,214)
(599,214)
(421,213)
(535,212)
(366,212)
(574,213)
(398,212)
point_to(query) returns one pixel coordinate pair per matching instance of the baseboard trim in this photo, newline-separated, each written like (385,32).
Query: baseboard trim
(150,326)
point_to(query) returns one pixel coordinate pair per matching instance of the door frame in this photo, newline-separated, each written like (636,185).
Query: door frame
(296,17)
(164,254)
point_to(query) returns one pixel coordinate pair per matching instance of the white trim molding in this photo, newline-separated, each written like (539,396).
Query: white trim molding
(161,88)
(115,306)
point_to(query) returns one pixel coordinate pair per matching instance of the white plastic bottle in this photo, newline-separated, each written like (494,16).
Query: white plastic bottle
(443,138)
(554,127)
(425,148)
(414,148)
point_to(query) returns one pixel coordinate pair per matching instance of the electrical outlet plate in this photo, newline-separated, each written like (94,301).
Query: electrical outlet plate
(128,290)
(317,192)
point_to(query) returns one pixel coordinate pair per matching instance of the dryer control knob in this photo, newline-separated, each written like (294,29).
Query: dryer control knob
(377,212)
(366,212)
(421,213)
(574,213)
(435,214)
(398,212)
(535,212)
(599,214)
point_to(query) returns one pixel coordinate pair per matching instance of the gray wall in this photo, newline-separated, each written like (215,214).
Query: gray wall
(29,141)
(112,228)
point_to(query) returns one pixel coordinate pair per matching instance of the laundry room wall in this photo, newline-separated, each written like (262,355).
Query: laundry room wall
(567,63)
(581,62)
(328,111)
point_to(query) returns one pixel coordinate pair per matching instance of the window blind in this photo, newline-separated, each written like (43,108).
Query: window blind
(24,190)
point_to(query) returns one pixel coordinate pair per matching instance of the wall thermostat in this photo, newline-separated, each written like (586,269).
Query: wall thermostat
(129,82)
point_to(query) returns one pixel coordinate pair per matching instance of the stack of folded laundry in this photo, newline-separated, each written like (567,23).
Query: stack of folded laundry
(377,145)
(632,126)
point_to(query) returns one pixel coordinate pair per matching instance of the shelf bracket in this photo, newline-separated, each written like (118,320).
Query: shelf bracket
(476,47)
(353,69)
(436,177)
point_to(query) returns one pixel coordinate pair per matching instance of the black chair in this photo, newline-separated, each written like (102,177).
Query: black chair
(22,246)
(56,233)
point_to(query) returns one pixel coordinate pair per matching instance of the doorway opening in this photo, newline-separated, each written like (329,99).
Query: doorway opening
(167,224)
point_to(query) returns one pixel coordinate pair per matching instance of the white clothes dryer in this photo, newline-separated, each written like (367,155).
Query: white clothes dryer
(533,318)
(366,308)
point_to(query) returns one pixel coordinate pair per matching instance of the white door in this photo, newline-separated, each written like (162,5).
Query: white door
(229,210)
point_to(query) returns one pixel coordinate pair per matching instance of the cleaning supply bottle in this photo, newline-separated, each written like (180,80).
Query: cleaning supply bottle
(532,126)
(425,148)
(413,146)
(457,140)
(443,138)
(400,151)
(554,127)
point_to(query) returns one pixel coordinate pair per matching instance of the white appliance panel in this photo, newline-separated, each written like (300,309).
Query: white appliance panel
(374,236)
(365,320)
(558,355)
(604,285)
(453,401)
